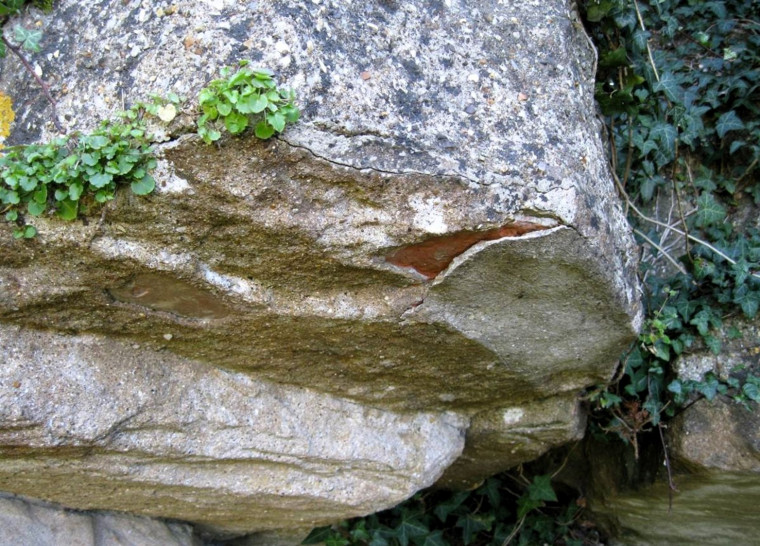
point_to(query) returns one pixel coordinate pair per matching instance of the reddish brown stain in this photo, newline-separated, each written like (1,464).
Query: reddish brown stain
(434,255)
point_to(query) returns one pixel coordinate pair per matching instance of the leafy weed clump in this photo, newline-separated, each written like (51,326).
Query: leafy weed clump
(506,509)
(58,176)
(678,86)
(249,97)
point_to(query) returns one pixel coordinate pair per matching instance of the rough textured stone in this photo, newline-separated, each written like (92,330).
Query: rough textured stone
(437,239)
(97,423)
(501,439)
(33,523)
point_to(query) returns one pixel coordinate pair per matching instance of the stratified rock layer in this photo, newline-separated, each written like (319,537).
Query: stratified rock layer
(436,242)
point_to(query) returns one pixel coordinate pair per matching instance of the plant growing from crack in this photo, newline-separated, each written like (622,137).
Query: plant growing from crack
(62,176)
(249,97)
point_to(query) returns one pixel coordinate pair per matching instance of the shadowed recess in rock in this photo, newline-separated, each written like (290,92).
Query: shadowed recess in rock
(431,257)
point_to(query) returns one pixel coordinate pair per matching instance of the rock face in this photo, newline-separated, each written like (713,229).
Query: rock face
(298,330)
(41,524)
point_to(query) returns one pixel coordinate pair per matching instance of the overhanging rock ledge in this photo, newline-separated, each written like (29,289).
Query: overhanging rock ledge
(313,327)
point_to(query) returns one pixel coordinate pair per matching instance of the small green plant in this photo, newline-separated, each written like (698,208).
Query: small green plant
(59,176)
(249,97)
(490,515)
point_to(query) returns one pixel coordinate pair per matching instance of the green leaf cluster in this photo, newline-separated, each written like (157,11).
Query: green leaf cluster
(247,98)
(678,85)
(59,176)
(487,515)
(684,84)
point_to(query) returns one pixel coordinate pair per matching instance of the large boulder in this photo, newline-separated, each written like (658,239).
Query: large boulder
(298,330)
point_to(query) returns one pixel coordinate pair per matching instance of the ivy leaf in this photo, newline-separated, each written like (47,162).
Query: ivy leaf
(713,343)
(409,529)
(435,539)
(29,39)
(709,386)
(318,535)
(748,300)
(669,85)
(728,122)
(751,391)
(702,321)
(471,525)
(491,489)
(541,488)
(709,212)
(525,505)
(443,509)
(666,134)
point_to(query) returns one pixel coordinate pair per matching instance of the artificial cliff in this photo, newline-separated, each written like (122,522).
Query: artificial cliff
(413,284)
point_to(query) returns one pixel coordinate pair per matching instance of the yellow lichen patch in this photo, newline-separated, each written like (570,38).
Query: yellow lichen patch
(7,115)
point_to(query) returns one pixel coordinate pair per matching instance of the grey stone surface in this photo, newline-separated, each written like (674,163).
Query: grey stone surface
(437,239)
(96,423)
(499,440)
(33,523)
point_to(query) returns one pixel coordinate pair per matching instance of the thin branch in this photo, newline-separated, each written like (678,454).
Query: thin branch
(662,251)
(671,484)
(562,466)
(683,218)
(649,51)
(45,89)
(514,532)
(680,232)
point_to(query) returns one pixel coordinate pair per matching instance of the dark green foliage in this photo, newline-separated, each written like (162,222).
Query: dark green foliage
(25,38)
(246,98)
(488,515)
(679,84)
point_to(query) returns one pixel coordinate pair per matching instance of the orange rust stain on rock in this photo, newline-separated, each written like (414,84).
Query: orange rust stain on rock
(434,255)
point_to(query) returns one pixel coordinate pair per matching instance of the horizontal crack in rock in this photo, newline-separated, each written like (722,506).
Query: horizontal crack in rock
(375,169)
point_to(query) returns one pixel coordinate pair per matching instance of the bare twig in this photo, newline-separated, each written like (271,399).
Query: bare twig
(562,466)
(681,215)
(45,89)
(680,232)
(662,251)
(671,484)
(649,50)
(514,532)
